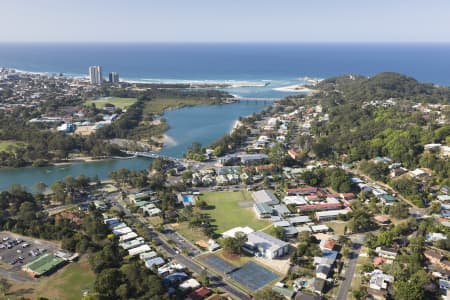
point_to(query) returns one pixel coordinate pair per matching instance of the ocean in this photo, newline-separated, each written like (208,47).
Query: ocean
(282,64)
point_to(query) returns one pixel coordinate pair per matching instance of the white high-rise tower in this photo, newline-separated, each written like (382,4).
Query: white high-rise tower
(95,75)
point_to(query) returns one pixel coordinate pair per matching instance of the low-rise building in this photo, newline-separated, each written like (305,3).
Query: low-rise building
(265,196)
(322,271)
(190,284)
(318,207)
(379,280)
(233,231)
(386,252)
(330,214)
(319,228)
(298,220)
(267,245)
(263,210)
(281,210)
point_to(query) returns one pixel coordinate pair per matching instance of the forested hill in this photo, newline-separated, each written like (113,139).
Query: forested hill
(384,86)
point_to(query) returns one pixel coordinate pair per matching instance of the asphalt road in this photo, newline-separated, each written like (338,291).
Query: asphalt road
(357,242)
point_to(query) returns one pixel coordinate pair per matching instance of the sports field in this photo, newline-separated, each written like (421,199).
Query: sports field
(224,209)
(116,101)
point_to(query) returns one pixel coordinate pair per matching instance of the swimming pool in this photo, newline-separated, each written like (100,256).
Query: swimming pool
(188,199)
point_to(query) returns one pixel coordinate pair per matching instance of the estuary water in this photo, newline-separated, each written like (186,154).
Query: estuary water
(203,124)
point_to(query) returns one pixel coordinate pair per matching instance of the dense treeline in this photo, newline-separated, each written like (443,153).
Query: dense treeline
(362,132)
(384,86)
(42,145)
(231,141)
(335,178)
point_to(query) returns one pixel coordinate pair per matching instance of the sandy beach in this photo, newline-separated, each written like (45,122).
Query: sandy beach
(168,141)
(299,88)
(236,125)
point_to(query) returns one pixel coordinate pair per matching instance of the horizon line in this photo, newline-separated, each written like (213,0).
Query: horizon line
(230,42)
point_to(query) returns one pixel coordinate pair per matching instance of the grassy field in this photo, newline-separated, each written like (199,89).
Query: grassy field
(67,283)
(236,259)
(6,146)
(116,101)
(192,234)
(159,105)
(225,212)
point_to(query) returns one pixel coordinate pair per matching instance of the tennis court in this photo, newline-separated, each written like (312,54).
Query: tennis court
(253,276)
(219,264)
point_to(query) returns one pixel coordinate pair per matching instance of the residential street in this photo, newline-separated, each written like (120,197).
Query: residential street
(357,242)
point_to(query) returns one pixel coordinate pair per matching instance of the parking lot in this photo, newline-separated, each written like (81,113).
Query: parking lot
(17,250)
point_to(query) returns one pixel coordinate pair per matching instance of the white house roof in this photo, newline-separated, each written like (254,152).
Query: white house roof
(316,228)
(299,219)
(297,200)
(262,239)
(331,213)
(139,250)
(122,231)
(128,236)
(282,224)
(189,284)
(232,232)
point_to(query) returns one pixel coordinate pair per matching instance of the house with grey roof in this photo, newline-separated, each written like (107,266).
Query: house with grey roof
(265,196)
(282,210)
(263,210)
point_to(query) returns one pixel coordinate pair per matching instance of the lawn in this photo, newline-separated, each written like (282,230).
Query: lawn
(190,233)
(69,282)
(10,145)
(160,104)
(225,212)
(116,101)
(338,226)
(357,277)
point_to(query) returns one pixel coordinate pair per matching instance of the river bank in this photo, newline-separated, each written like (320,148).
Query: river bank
(87,159)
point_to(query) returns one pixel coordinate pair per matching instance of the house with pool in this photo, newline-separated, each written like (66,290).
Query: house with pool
(186,199)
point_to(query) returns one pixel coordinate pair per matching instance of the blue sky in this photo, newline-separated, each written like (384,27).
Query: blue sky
(225,21)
